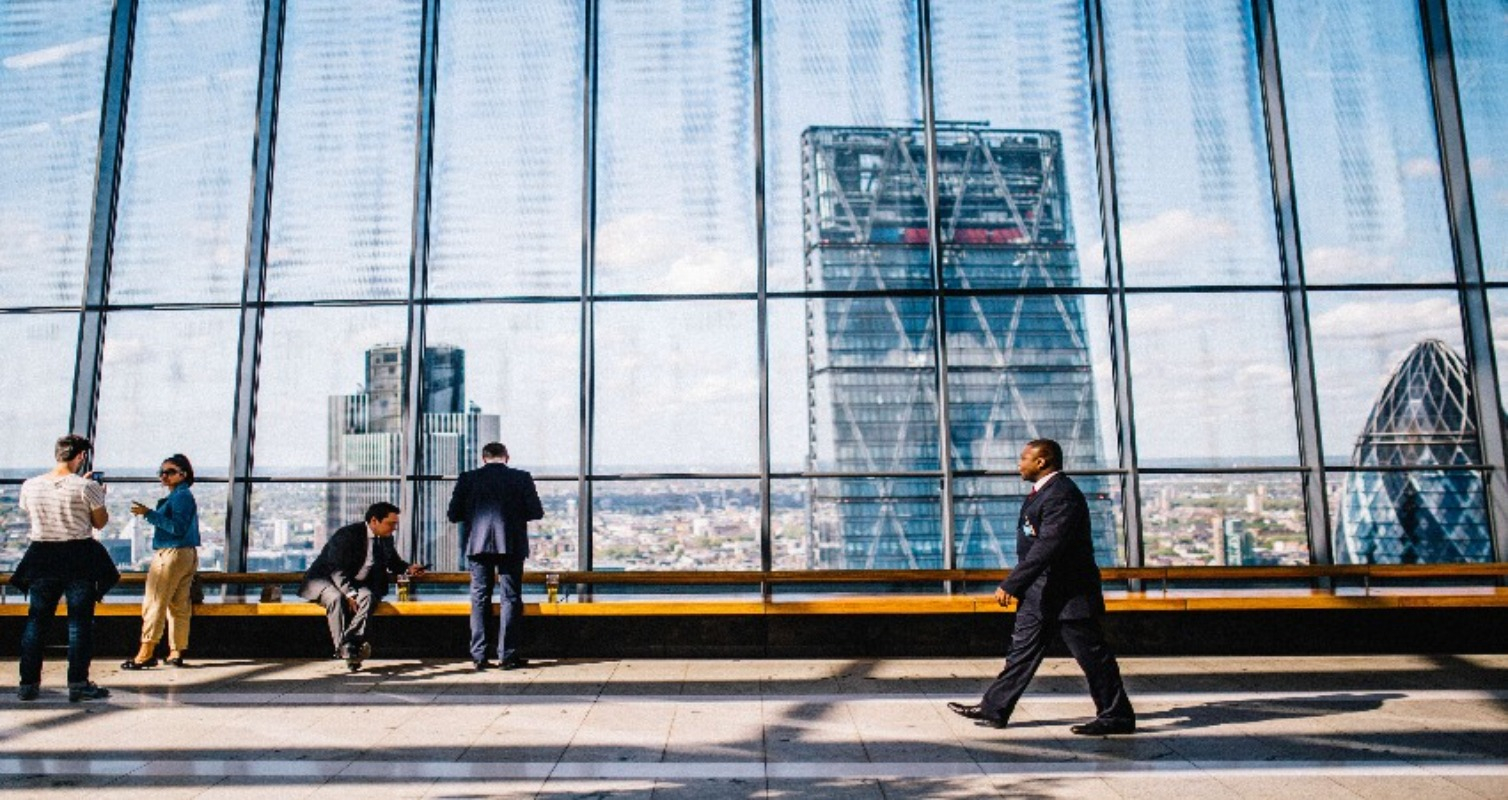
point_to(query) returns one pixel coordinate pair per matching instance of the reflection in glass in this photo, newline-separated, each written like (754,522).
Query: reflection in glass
(342,214)
(677,387)
(522,363)
(675,161)
(1212,380)
(675,525)
(552,540)
(35,390)
(1415,517)
(1479,36)
(506,214)
(1021,65)
(1223,520)
(986,509)
(128,537)
(827,63)
(52,76)
(1360,342)
(330,391)
(1365,159)
(167,385)
(180,230)
(290,524)
(1190,151)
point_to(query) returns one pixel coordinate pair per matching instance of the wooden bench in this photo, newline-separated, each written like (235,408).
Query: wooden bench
(957,591)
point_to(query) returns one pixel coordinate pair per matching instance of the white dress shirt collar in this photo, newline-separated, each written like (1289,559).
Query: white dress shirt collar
(1042,481)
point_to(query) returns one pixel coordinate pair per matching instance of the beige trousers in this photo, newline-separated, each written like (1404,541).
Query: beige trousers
(167,596)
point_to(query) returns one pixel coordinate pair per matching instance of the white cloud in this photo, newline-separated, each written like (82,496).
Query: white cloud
(1346,263)
(1434,317)
(1421,168)
(54,54)
(1164,318)
(661,257)
(1173,235)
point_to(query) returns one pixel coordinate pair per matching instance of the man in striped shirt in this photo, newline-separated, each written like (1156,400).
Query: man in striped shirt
(64,560)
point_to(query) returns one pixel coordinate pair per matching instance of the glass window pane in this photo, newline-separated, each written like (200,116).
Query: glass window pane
(290,522)
(167,385)
(1223,520)
(128,538)
(342,212)
(1414,517)
(675,165)
(1021,65)
(858,523)
(36,389)
(853,385)
(506,213)
(180,229)
(1479,35)
(552,540)
(1030,367)
(985,511)
(1191,166)
(522,368)
(1393,383)
(52,78)
(675,525)
(1365,160)
(330,392)
(677,387)
(1211,378)
(1497,303)
(843,63)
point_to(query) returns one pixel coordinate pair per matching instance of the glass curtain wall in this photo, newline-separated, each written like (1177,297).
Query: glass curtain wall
(783,282)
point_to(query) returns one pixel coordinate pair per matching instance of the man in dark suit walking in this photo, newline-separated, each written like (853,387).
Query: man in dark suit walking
(494,505)
(350,577)
(1058,587)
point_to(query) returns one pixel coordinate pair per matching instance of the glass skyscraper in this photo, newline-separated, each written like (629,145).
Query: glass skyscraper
(1424,418)
(366,439)
(1018,364)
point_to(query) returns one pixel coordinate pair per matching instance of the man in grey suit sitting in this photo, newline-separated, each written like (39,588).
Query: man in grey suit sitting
(350,577)
(494,505)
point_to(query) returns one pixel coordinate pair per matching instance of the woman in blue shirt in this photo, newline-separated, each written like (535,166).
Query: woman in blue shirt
(171,576)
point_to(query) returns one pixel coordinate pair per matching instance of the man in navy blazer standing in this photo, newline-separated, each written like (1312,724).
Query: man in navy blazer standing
(494,505)
(1058,586)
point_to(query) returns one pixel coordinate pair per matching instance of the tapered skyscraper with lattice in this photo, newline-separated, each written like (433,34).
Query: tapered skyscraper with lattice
(1018,355)
(1425,419)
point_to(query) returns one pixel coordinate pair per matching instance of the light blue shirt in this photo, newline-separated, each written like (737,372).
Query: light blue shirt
(176,520)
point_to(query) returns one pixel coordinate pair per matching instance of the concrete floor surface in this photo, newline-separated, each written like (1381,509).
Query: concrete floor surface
(1408,727)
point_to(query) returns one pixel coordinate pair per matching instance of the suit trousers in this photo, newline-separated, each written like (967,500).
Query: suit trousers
(488,571)
(347,629)
(166,599)
(1085,641)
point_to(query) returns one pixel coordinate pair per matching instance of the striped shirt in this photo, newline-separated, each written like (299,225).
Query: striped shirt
(60,506)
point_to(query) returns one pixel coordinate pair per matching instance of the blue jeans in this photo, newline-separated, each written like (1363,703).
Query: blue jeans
(493,570)
(45,593)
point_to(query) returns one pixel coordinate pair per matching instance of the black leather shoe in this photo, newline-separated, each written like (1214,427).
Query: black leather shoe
(978,714)
(483,665)
(174,662)
(1105,727)
(133,664)
(511,664)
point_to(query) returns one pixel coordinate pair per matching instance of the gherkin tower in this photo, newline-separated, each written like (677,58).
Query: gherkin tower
(1424,419)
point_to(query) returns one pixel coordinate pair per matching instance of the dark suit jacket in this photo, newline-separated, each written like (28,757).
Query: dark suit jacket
(494,505)
(1055,573)
(342,558)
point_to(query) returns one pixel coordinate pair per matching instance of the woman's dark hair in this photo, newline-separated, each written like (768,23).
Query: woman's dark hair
(181,461)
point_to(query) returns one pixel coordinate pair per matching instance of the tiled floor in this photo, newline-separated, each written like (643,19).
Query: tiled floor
(1408,727)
